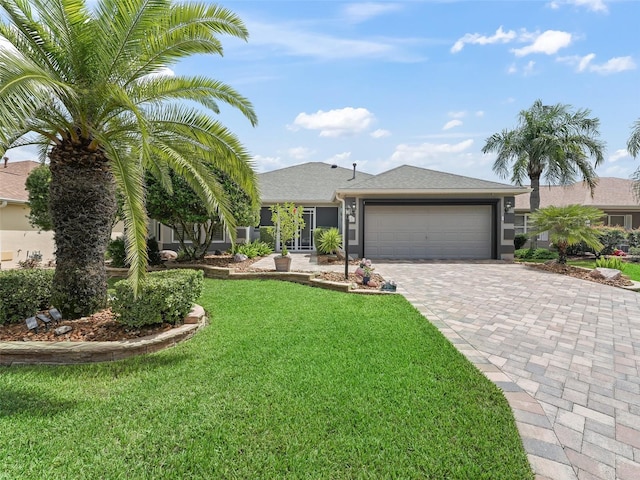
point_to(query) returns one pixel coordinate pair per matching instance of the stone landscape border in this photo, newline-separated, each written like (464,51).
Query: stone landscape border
(67,353)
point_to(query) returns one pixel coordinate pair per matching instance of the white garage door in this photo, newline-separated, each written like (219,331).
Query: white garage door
(428,232)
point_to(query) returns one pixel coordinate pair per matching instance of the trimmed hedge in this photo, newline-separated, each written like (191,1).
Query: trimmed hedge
(23,293)
(165,296)
(537,254)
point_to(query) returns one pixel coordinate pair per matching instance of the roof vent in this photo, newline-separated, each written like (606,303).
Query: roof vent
(354,172)
(6,159)
(334,166)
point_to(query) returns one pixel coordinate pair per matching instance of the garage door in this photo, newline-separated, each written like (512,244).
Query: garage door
(428,232)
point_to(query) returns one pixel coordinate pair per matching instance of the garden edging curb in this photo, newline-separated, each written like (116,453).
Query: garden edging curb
(68,353)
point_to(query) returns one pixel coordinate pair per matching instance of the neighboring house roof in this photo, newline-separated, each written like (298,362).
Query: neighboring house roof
(13,176)
(408,179)
(313,182)
(610,194)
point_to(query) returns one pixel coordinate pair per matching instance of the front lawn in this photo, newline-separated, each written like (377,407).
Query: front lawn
(287,381)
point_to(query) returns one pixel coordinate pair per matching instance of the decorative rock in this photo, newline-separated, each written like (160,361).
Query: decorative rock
(62,330)
(168,255)
(606,273)
(217,252)
(240,257)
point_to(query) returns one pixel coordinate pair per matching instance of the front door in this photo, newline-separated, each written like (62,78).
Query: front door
(304,242)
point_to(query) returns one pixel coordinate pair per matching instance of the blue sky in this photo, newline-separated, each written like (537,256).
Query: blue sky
(424,83)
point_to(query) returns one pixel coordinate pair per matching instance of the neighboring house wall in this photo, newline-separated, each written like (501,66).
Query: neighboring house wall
(18,239)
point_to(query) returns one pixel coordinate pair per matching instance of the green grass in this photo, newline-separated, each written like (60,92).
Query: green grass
(287,382)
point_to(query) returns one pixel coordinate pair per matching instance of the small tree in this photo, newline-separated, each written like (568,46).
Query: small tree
(288,221)
(568,226)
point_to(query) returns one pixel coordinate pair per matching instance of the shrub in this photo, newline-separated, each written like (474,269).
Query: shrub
(23,293)
(117,252)
(634,250)
(537,254)
(610,237)
(610,262)
(256,248)
(520,240)
(330,241)
(633,238)
(165,296)
(317,235)
(266,236)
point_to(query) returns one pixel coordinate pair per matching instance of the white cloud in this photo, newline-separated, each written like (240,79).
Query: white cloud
(513,69)
(300,153)
(592,5)
(380,133)
(480,114)
(460,114)
(266,164)
(618,154)
(613,65)
(413,153)
(477,39)
(548,42)
(529,68)
(297,41)
(335,123)
(339,157)
(360,12)
(452,124)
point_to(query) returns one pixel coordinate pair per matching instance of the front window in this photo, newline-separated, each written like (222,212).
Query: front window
(524,225)
(623,221)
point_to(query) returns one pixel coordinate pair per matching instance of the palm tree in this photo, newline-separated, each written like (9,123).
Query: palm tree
(91,86)
(550,142)
(633,145)
(569,225)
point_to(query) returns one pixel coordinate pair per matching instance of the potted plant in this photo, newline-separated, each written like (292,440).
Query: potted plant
(367,270)
(287,220)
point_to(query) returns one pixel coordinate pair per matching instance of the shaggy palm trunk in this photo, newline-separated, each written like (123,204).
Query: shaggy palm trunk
(82,203)
(534,204)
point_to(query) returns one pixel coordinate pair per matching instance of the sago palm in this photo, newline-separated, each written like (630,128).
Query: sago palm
(91,86)
(550,142)
(569,225)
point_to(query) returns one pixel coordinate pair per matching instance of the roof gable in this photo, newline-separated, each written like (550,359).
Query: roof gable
(407,177)
(313,182)
(13,177)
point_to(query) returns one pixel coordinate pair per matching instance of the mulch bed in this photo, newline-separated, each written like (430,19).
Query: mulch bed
(578,272)
(99,327)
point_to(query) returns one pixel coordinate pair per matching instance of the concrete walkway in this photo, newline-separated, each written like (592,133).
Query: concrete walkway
(565,351)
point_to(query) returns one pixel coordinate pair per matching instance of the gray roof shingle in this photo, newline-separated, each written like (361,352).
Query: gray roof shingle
(410,178)
(313,182)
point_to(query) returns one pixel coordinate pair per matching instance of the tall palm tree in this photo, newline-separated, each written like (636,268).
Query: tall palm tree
(550,142)
(633,145)
(91,86)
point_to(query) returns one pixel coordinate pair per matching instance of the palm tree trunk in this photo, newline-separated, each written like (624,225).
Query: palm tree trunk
(83,204)
(534,204)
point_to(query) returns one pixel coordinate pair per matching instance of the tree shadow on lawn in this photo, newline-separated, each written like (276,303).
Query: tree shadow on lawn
(18,401)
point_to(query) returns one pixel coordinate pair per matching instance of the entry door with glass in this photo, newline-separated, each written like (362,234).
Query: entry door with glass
(304,242)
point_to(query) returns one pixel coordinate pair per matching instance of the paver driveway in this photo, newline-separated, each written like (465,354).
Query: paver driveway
(565,351)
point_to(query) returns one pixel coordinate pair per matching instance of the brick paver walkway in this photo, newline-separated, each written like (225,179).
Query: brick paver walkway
(565,351)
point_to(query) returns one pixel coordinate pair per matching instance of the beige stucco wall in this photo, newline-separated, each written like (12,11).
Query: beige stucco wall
(18,239)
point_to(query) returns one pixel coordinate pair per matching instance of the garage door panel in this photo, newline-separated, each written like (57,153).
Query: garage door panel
(428,232)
